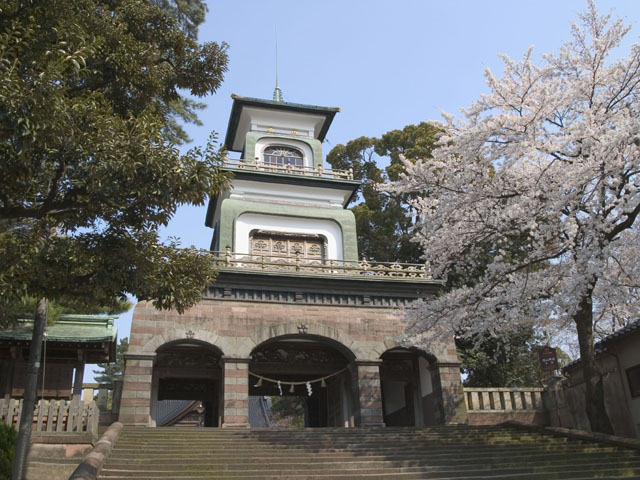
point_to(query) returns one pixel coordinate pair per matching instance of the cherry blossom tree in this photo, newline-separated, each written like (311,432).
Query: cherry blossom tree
(535,188)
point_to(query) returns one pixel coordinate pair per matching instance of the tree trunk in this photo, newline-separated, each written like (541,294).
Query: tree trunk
(30,392)
(594,392)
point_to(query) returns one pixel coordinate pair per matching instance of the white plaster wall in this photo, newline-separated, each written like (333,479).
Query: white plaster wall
(250,221)
(629,356)
(303,123)
(291,194)
(425,377)
(303,147)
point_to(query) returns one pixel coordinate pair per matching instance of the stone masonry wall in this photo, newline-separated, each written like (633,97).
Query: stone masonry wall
(237,327)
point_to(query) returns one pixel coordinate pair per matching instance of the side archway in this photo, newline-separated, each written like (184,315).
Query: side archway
(186,384)
(410,388)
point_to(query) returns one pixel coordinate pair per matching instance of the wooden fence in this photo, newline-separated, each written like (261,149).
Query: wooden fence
(503,399)
(53,415)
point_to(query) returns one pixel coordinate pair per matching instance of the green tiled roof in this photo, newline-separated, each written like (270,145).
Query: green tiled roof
(68,328)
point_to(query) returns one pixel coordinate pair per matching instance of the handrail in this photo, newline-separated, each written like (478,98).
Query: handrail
(261,166)
(298,263)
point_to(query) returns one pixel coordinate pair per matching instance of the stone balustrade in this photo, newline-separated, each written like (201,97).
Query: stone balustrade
(297,263)
(260,166)
(503,399)
(490,406)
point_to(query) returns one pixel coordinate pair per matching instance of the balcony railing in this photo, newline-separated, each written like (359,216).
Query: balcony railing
(261,166)
(299,264)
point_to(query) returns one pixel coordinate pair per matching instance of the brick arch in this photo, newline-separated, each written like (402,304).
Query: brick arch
(338,338)
(169,336)
(430,357)
(191,341)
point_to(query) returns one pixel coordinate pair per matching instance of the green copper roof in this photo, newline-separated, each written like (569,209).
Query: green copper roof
(68,328)
(240,102)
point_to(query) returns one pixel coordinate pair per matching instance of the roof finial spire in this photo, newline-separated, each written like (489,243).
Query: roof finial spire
(277,93)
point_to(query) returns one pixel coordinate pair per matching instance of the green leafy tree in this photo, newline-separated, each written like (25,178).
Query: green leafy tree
(92,99)
(113,371)
(7,450)
(25,309)
(384,221)
(287,411)
(89,96)
(507,360)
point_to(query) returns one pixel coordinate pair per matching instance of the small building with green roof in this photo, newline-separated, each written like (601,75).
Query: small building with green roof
(69,343)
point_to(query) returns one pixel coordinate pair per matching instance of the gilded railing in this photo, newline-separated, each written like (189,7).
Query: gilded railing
(297,263)
(261,166)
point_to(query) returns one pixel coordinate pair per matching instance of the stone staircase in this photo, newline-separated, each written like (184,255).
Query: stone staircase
(460,452)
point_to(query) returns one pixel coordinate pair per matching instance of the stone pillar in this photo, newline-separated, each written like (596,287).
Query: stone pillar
(370,393)
(153,412)
(454,410)
(418,413)
(135,403)
(116,396)
(235,396)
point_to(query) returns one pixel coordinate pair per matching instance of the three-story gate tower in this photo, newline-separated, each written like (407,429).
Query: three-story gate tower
(293,310)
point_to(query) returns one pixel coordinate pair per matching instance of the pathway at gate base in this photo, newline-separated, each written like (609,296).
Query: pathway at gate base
(442,452)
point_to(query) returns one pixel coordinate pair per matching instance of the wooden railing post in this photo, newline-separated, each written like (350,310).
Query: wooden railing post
(93,416)
(88,392)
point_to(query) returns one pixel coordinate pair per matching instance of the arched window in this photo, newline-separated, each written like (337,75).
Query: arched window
(283,155)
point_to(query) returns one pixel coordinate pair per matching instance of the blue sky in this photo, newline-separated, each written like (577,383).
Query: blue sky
(385,64)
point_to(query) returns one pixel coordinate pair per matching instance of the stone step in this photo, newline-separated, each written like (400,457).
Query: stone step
(567,463)
(385,476)
(351,432)
(479,440)
(440,453)
(266,450)
(310,447)
(333,446)
(360,439)
(358,451)
(118,462)
(368,464)
(304,456)
(570,472)
(310,432)
(363,439)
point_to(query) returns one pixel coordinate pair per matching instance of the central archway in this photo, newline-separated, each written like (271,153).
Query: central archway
(313,369)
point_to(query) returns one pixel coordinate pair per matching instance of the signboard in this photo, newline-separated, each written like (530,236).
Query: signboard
(548,359)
